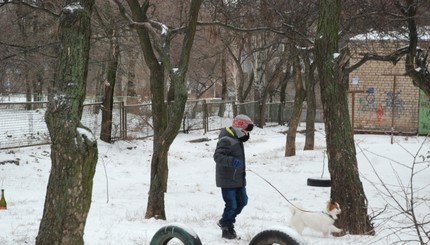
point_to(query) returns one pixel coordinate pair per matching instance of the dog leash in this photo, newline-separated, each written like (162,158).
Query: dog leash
(329,215)
(280,193)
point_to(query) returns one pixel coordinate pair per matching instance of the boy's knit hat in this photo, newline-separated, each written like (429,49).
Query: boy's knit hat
(243,122)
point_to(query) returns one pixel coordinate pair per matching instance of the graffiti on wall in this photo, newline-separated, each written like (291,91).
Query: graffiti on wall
(368,102)
(394,100)
(390,101)
(379,113)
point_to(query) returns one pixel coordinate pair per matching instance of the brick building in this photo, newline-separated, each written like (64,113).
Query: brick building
(381,98)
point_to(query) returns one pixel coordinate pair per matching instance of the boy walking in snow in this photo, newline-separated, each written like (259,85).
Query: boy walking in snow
(230,174)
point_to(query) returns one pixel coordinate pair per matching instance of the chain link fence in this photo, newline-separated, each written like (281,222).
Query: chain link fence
(23,123)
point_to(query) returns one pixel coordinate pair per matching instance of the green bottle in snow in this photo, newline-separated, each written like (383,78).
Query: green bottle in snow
(3,204)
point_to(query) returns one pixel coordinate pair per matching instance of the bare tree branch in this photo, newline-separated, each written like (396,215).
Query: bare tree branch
(393,58)
(25,49)
(16,2)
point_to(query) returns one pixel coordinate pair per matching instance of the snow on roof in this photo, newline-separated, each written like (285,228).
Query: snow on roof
(423,34)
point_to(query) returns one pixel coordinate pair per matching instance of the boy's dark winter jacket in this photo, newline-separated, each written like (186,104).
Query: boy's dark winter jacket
(229,147)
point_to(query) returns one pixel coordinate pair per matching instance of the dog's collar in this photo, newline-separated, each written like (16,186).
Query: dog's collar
(329,215)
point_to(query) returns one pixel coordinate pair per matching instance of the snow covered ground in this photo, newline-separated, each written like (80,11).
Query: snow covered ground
(122,178)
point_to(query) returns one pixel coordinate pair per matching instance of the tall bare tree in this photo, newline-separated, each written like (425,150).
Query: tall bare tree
(74,150)
(155,39)
(110,28)
(347,188)
(309,69)
(290,146)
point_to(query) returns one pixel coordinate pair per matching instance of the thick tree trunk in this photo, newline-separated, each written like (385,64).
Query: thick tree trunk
(346,187)
(69,191)
(159,172)
(74,148)
(290,148)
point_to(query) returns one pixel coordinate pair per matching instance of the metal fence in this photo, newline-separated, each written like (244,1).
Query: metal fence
(23,124)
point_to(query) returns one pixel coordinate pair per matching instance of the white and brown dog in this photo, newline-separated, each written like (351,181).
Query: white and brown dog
(318,221)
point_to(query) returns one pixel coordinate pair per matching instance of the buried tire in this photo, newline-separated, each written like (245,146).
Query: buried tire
(269,237)
(166,233)
(319,182)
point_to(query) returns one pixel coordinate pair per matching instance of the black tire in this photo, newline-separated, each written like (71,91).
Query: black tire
(269,237)
(319,182)
(168,232)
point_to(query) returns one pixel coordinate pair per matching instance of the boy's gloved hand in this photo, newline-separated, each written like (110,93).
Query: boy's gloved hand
(236,163)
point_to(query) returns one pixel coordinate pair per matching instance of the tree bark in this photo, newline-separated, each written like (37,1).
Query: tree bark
(290,149)
(346,187)
(74,148)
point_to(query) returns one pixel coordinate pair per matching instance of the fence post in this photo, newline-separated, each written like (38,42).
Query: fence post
(123,120)
(205,117)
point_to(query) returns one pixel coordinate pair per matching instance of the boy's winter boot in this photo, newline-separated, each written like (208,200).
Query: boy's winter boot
(228,233)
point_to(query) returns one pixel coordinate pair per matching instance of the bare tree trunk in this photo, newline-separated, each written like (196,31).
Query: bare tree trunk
(283,96)
(109,88)
(346,187)
(166,120)
(38,86)
(243,88)
(310,103)
(74,148)
(290,148)
(223,86)
(28,93)
(23,20)
(159,172)
(268,90)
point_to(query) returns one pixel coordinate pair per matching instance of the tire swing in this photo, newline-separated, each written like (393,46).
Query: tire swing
(319,182)
(166,233)
(274,236)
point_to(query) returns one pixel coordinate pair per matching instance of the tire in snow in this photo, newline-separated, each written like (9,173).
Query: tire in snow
(269,237)
(319,182)
(166,233)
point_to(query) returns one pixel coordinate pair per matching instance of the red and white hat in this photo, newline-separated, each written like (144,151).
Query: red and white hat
(242,121)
